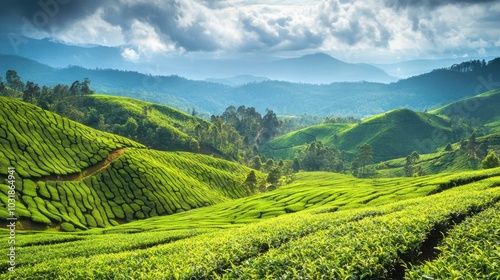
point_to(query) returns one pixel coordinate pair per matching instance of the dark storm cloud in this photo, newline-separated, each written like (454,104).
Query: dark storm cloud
(46,15)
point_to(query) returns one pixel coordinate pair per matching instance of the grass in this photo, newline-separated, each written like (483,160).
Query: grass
(482,107)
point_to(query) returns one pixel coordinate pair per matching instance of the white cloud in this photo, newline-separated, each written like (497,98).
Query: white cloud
(91,30)
(130,55)
(352,30)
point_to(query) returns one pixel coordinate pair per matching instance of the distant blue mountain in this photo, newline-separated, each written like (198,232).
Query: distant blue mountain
(321,68)
(316,68)
(357,99)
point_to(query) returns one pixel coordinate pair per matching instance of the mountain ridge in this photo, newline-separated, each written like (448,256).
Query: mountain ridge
(358,99)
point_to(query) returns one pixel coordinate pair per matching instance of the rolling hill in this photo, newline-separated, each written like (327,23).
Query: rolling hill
(393,134)
(72,176)
(483,108)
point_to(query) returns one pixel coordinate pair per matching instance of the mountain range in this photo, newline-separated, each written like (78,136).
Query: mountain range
(359,99)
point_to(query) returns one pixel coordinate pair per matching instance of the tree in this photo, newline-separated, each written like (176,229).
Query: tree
(270,125)
(410,164)
(472,147)
(490,161)
(251,181)
(75,88)
(269,165)
(31,91)
(14,81)
(317,156)
(364,157)
(274,176)
(257,163)
(448,148)
(296,165)
(85,88)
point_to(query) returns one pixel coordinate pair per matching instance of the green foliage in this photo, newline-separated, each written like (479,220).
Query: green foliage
(317,157)
(274,175)
(90,178)
(469,251)
(67,227)
(490,161)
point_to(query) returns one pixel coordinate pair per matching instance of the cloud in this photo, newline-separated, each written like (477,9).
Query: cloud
(144,28)
(432,4)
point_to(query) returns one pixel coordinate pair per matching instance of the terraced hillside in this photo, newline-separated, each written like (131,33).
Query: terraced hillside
(343,231)
(394,134)
(70,175)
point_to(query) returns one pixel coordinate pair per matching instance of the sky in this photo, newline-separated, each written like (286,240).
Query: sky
(375,31)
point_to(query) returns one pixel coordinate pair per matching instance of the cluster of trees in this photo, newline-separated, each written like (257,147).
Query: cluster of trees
(469,66)
(250,124)
(341,120)
(411,167)
(46,97)
(318,157)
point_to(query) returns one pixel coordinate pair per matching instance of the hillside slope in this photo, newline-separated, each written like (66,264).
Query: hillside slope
(398,133)
(483,107)
(287,146)
(394,134)
(71,175)
(158,126)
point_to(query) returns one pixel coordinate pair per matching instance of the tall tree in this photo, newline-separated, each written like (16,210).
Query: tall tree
(270,125)
(410,164)
(14,81)
(251,181)
(31,91)
(274,176)
(364,157)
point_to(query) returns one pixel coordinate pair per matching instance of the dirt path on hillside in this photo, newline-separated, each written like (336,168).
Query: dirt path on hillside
(88,171)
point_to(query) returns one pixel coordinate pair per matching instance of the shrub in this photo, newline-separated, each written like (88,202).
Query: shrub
(67,227)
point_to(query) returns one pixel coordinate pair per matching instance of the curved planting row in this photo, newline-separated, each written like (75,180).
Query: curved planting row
(470,251)
(369,243)
(39,143)
(32,249)
(137,185)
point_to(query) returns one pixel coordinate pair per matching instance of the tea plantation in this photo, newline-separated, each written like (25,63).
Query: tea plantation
(93,205)
(76,177)
(390,234)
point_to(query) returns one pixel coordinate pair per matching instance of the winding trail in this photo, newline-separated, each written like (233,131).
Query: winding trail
(88,171)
